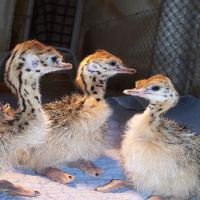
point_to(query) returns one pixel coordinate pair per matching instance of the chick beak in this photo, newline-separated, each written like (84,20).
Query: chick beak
(65,65)
(135,92)
(125,70)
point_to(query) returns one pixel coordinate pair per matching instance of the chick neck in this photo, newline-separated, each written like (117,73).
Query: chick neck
(155,110)
(29,95)
(93,85)
(25,85)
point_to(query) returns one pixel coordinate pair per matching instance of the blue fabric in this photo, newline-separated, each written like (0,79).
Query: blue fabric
(187,111)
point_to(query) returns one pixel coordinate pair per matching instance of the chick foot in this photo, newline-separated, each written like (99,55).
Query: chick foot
(113,184)
(57,175)
(86,166)
(16,190)
(154,197)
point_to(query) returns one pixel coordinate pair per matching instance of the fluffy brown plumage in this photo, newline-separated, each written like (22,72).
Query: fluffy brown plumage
(78,121)
(29,125)
(159,155)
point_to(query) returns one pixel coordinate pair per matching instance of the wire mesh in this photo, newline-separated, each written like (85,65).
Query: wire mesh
(53,21)
(57,23)
(131,38)
(165,40)
(177,45)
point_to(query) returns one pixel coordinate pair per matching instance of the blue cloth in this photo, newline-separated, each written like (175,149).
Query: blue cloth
(187,111)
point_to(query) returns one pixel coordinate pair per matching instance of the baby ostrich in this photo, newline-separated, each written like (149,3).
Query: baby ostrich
(28,126)
(78,121)
(159,155)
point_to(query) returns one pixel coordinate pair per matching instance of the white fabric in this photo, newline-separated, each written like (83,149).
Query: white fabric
(82,188)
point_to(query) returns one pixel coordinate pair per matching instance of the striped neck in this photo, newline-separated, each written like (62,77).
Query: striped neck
(155,110)
(23,84)
(29,95)
(94,85)
(153,113)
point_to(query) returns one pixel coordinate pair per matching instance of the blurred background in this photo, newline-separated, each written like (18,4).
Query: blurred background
(152,36)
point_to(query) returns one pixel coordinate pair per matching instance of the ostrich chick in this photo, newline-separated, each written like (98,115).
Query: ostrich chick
(78,121)
(159,155)
(28,126)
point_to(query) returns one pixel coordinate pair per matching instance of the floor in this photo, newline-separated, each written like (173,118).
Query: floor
(82,188)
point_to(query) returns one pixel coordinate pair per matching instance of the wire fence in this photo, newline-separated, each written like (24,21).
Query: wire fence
(177,45)
(164,40)
(131,38)
(53,21)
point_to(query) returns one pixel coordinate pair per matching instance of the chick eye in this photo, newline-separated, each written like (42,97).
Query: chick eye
(54,58)
(155,88)
(112,63)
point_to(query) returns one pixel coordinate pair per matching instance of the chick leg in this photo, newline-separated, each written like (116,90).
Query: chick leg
(87,166)
(154,197)
(10,188)
(157,197)
(113,184)
(56,175)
